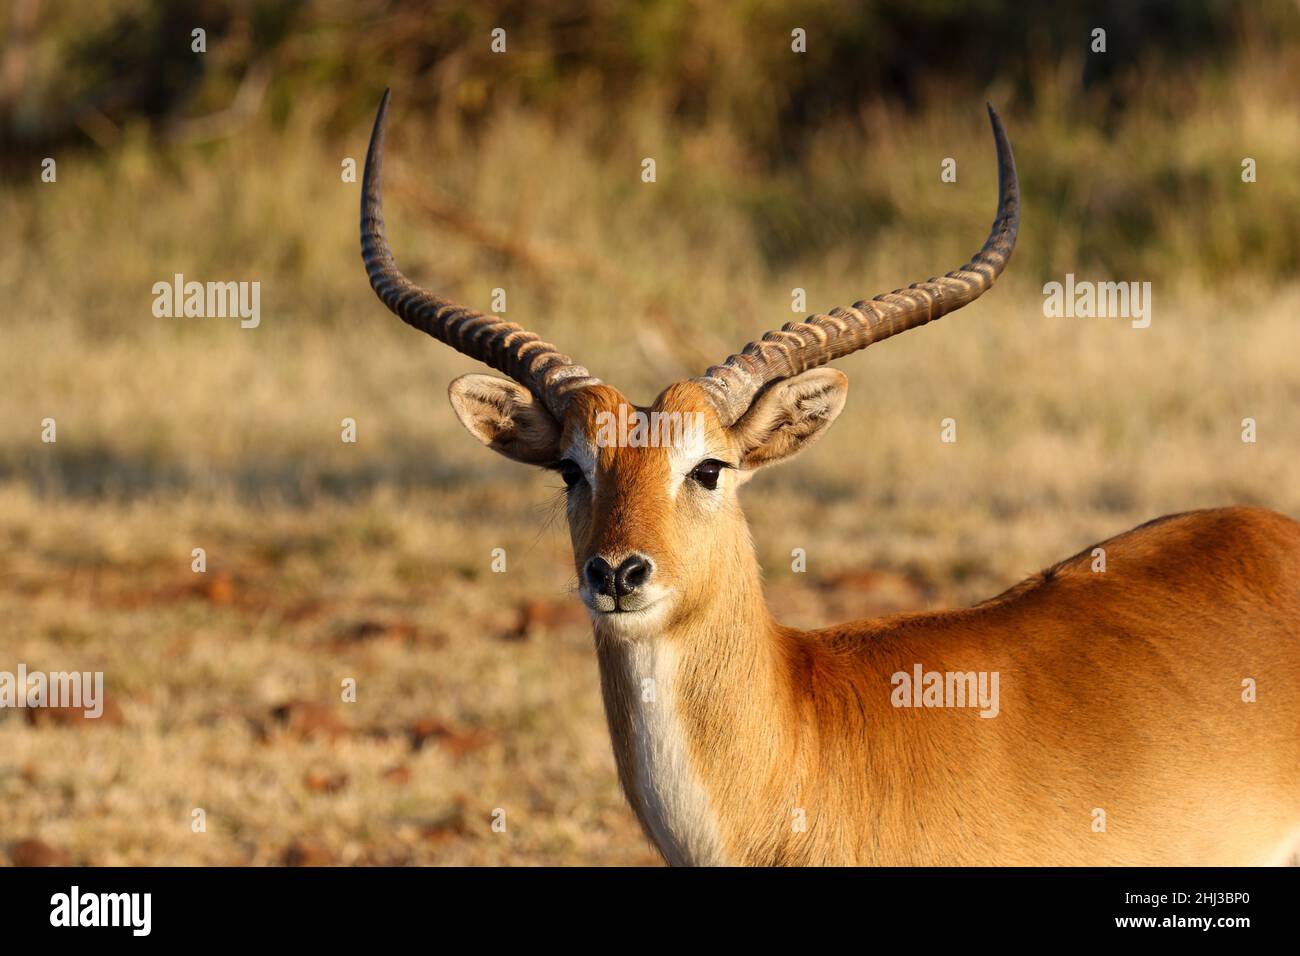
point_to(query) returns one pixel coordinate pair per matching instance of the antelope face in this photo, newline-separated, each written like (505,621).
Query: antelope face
(639,482)
(652,507)
(651,497)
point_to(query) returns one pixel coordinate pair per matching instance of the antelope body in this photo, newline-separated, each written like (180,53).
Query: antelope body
(1122,735)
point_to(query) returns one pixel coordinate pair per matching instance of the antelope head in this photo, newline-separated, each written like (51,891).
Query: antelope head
(653,514)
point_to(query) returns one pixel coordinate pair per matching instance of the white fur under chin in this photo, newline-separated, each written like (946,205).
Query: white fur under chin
(644,625)
(677,808)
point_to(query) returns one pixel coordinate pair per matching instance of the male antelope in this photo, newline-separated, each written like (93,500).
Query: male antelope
(1121,735)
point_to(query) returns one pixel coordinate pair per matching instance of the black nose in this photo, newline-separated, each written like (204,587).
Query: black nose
(600,576)
(617,582)
(632,573)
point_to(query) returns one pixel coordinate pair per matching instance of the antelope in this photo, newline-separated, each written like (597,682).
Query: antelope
(1126,731)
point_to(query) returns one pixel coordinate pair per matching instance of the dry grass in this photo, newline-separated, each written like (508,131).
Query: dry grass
(326,560)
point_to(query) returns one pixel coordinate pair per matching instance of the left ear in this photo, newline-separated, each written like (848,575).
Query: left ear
(789,416)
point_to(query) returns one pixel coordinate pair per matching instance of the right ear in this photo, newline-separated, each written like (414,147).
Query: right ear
(506,417)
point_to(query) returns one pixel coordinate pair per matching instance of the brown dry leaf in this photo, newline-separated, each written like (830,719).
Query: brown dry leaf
(323,781)
(308,853)
(308,719)
(449,825)
(35,852)
(370,629)
(305,611)
(457,741)
(75,716)
(543,614)
(399,775)
(217,587)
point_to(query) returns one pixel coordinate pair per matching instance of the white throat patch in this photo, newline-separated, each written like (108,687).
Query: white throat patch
(677,808)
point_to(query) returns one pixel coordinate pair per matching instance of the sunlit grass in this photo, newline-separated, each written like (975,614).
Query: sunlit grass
(175,434)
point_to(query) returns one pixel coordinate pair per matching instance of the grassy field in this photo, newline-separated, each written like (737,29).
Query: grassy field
(477,691)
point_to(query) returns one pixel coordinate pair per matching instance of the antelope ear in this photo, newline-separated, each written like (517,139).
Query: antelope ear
(506,417)
(789,416)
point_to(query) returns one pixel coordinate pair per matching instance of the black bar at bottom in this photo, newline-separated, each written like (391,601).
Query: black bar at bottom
(332,906)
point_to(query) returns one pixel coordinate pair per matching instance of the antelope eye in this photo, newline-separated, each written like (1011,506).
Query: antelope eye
(707,472)
(569,471)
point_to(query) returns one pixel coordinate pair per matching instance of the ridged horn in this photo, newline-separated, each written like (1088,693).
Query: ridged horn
(799,346)
(540,367)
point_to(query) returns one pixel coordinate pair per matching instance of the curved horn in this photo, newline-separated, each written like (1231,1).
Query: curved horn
(538,366)
(819,339)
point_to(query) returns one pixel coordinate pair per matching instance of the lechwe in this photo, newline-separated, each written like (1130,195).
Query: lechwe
(1080,718)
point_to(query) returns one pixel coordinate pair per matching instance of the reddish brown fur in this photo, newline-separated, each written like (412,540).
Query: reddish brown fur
(1123,688)
(1120,691)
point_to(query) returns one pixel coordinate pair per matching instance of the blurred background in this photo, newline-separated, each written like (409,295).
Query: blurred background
(522,171)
